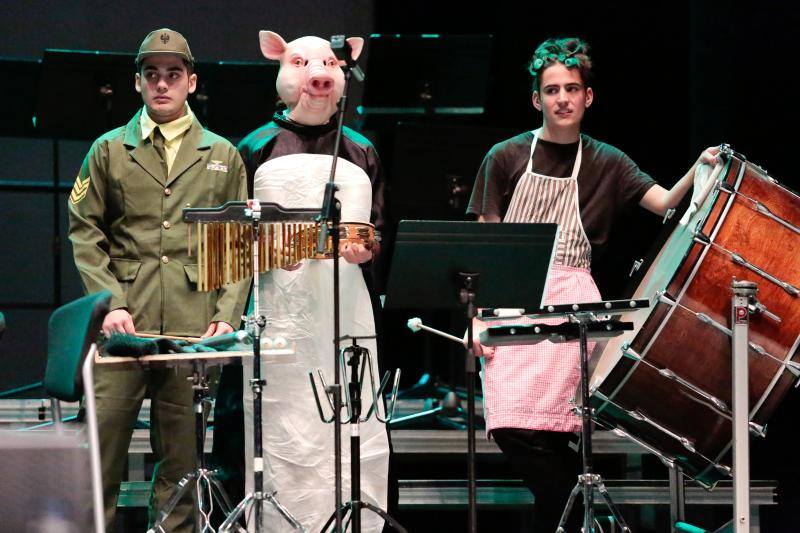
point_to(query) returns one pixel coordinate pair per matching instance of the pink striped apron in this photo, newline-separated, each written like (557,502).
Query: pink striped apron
(530,387)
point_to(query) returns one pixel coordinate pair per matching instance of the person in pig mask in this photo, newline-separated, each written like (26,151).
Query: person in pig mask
(288,161)
(555,174)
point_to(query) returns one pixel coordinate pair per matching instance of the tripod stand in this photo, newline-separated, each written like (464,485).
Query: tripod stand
(588,480)
(256,324)
(438,264)
(360,363)
(583,323)
(208,487)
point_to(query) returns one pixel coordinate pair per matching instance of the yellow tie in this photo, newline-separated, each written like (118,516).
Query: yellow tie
(158,144)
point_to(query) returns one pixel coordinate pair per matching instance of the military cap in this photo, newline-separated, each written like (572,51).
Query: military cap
(164,41)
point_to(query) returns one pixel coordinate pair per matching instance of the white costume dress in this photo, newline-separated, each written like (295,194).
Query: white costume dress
(298,305)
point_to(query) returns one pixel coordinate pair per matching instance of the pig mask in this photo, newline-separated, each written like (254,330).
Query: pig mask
(310,81)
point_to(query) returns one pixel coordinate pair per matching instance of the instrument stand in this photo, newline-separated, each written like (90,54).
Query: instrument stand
(588,480)
(359,361)
(329,219)
(743,303)
(256,325)
(469,285)
(208,487)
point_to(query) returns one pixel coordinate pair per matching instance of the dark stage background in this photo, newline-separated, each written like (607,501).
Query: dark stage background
(670,79)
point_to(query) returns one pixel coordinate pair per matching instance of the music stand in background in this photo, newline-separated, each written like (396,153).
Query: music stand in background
(18,75)
(466,265)
(449,75)
(235,97)
(83,94)
(440,159)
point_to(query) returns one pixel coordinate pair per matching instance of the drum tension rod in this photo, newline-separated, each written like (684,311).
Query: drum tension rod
(700,238)
(716,403)
(760,207)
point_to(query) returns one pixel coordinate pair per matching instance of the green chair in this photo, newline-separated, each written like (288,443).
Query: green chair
(71,348)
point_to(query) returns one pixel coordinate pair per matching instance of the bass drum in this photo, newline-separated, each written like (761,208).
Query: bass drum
(667,386)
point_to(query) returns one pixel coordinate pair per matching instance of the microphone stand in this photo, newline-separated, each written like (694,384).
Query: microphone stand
(329,219)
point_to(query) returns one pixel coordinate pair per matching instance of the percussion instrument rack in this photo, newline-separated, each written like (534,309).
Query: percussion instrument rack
(583,323)
(251,211)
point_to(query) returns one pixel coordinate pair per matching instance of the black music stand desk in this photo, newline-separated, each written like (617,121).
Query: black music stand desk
(512,260)
(440,264)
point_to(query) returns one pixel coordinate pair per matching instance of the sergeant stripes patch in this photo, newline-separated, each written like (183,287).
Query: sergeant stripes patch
(79,190)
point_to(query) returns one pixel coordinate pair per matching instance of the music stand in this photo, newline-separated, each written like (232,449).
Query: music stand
(234,97)
(439,264)
(450,75)
(83,94)
(18,75)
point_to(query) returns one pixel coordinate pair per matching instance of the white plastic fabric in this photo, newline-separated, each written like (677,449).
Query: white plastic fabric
(298,305)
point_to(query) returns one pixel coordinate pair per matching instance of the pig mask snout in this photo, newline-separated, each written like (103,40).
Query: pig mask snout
(320,83)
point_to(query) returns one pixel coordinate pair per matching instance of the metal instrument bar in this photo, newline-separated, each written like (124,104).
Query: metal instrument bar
(656,425)
(686,442)
(740,319)
(556,333)
(716,403)
(238,211)
(757,348)
(553,311)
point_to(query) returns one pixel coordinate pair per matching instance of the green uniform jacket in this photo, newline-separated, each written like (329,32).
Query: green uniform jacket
(128,235)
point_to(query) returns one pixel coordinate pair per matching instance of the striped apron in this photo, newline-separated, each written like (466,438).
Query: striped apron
(529,387)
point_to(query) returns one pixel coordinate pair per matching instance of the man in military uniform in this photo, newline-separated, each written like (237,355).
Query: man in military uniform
(128,237)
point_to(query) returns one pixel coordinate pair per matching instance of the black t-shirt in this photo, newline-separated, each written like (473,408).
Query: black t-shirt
(608,180)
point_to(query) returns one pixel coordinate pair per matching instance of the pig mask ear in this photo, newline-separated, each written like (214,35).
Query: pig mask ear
(272,45)
(356,45)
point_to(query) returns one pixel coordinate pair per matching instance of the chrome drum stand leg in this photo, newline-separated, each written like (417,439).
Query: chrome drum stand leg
(588,480)
(201,479)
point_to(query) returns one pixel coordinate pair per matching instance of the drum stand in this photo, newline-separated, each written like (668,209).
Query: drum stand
(206,483)
(743,303)
(588,480)
(256,323)
(356,356)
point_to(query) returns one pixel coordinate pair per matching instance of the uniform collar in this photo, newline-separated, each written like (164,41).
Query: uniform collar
(170,130)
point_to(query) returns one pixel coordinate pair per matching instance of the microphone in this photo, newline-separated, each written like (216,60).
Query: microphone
(344,52)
